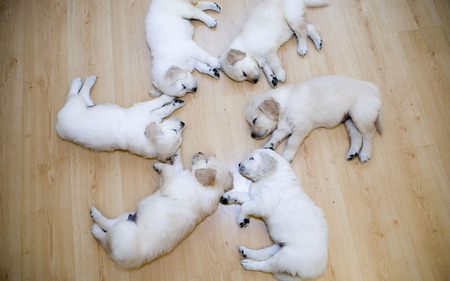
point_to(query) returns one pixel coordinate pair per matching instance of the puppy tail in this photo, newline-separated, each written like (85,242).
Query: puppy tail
(379,123)
(315,3)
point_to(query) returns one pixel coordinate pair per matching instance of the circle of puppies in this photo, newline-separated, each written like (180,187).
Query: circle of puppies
(290,112)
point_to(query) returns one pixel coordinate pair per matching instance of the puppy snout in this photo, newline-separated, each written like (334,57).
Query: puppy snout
(254,81)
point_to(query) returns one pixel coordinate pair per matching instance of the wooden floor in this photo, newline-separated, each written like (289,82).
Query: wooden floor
(389,218)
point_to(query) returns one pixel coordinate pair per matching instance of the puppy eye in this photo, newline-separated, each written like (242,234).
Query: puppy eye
(245,74)
(251,158)
(254,121)
(184,87)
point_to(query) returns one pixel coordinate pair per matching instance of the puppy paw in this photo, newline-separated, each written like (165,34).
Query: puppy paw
(76,85)
(281,77)
(226,199)
(243,222)
(364,157)
(269,145)
(90,80)
(94,213)
(212,22)
(243,250)
(217,8)
(288,156)
(248,264)
(351,155)
(158,167)
(273,81)
(214,73)
(302,50)
(318,44)
(96,230)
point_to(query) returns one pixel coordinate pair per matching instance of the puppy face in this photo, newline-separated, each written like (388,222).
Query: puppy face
(210,171)
(240,67)
(177,82)
(166,136)
(260,164)
(262,117)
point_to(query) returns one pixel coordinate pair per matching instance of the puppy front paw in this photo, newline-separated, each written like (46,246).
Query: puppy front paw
(217,8)
(273,81)
(364,157)
(243,250)
(94,213)
(302,50)
(243,222)
(214,73)
(351,155)
(227,199)
(211,23)
(158,167)
(288,156)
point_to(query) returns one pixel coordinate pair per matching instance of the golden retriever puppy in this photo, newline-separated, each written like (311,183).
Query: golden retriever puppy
(270,24)
(139,129)
(174,54)
(295,224)
(293,111)
(165,218)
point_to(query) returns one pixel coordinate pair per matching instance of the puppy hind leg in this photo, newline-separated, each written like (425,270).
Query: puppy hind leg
(75,86)
(103,222)
(314,35)
(206,69)
(293,143)
(207,5)
(260,254)
(355,139)
(86,89)
(367,129)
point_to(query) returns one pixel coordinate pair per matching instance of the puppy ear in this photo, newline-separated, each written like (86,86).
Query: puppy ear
(175,73)
(152,131)
(233,56)
(207,176)
(267,164)
(271,108)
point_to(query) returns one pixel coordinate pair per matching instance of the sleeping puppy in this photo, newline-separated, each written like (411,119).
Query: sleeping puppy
(293,111)
(270,24)
(165,218)
(106,127)
(174,54)
(295,223)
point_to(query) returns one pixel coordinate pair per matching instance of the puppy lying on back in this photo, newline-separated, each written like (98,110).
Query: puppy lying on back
(165,218)
(295,223)
(106,127)
(293,111)
(174,54)
(270,24)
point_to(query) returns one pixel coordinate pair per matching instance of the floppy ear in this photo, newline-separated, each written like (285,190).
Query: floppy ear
(271,108)
(152,130)
(207,176)
(267,164)
(175,73)
(233,56)
(229,181)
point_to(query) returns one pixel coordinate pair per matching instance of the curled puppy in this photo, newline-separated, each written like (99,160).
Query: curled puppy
(106,127)
(295,223)
(293,111)
(174,54)
(165,218)
(270,24)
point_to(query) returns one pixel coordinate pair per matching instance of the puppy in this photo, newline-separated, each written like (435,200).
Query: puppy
(270,24)
(174,54)
(164,219)
(106,127)
(293,111)
(295,223)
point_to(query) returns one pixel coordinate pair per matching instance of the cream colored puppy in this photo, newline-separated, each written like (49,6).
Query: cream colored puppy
(106,127)
(270,24)
(174,54)
(165,218)
(293,111)
(295,223)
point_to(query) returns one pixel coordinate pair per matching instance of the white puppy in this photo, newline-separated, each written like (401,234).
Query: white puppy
(106,127)
(270,24)
(174,54)
(165,218)
(293,111)
(295,223)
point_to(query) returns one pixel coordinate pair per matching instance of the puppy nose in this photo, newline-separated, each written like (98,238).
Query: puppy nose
(182,124)
(254,81)
(253,135)
(194,89)
(240,164)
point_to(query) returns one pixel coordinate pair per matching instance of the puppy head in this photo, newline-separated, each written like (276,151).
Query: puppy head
(210,171)
(176,82)
(239,66)
(262,117)
(260,164)
(165,136)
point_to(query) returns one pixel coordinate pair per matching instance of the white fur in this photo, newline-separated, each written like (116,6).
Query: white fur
(322,102)
(270,24)
(169,36)
(295,223)
(165,218)
(106,127)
